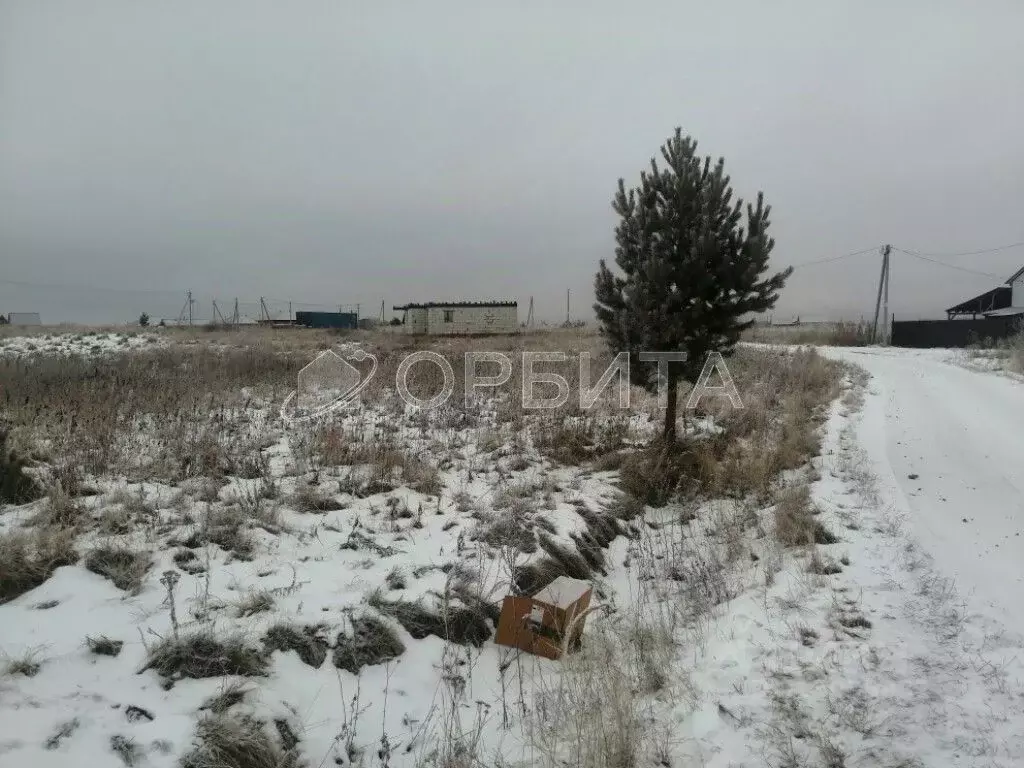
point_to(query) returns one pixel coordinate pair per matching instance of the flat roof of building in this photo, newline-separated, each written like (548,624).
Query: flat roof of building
(450,304)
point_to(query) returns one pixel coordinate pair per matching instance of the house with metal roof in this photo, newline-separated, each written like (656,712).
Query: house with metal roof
(1003,301)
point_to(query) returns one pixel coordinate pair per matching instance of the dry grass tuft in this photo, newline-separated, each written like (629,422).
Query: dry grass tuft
(27,559)
(454,623)
(310,498)
(125,567)
(309,642)
(202,655)
(655,474)
(230,741)
(61,510)
(372,641)
(126,749)
(259,601)
(104,646)
(571,562)
(226,527)
(27,665)
(232,692)
(795,522)
(626,507)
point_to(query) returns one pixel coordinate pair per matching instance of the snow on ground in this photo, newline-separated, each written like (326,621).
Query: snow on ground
(901,658)
(90,344)
(949,443)
(897,645)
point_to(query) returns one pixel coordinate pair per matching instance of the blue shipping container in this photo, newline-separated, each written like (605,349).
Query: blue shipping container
(327,319)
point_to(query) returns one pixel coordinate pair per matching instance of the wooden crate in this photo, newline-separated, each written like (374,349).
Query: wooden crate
(539,624)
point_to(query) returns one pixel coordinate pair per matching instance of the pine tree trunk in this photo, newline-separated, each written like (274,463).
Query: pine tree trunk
(669,432)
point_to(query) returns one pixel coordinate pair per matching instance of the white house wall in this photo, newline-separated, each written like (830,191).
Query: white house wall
(1017,295)
(472,319)
(464,320)
(416,320)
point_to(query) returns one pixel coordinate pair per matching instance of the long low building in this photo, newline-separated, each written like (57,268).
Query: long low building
(460,317)
(24,318)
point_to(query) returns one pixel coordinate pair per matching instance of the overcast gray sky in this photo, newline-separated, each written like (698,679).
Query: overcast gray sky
(343,152)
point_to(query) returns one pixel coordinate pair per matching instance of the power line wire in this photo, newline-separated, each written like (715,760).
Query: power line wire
(948,266)
(828,259)
(962,253)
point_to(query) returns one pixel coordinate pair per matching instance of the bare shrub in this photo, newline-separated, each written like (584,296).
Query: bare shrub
(204,655)
(421,476)
(123,566)
(61,510)
(309,642)
(567,444)
(590,714)
(1015,351)
(16,487)
(231,741)
(655,474)
(27,559)
(371,641)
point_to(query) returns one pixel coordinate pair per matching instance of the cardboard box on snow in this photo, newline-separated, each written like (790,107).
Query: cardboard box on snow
(539,624)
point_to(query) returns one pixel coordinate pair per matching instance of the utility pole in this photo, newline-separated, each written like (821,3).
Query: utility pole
(382,311)
(190,307)
(885,299)
(878,299)
(529,315)
(234,315)
(185,308)
(264,310)
(566,307)
(217,313)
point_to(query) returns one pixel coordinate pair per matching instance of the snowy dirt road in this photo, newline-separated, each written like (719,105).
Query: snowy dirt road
(949,443)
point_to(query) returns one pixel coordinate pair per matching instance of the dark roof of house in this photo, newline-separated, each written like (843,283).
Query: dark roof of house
(997,298)
(429,304)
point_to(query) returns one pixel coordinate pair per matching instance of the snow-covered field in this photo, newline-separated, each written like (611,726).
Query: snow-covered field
(325,595)
(65,344)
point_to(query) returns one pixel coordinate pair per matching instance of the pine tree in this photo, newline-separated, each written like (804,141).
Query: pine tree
(690,271)
(144,319)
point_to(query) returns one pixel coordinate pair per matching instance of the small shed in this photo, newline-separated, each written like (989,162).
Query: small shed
(465,318)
